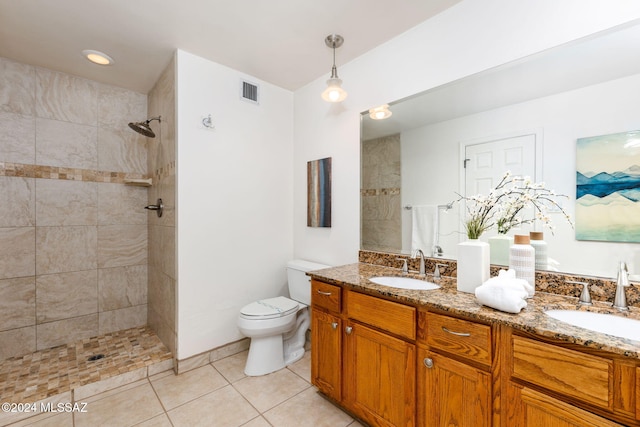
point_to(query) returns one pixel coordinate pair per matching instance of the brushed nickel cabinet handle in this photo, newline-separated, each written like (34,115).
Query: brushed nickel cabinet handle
(460,334)
(348,330)
(324,293)
(428,362)
(334,325)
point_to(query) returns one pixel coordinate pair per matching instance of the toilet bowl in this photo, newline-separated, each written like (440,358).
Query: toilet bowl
(277,326)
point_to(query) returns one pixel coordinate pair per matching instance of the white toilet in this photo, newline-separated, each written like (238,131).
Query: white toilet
(277,326)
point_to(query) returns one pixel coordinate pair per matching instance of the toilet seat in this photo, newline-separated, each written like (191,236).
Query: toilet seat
(269,308)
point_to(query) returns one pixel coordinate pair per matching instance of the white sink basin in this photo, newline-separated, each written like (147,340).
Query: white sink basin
(609,324)
(404,283)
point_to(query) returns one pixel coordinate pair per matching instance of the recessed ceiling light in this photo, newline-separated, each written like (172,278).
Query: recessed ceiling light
(98,57)
(380,113)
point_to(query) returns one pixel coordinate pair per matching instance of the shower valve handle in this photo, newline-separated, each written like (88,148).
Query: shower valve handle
(158,207)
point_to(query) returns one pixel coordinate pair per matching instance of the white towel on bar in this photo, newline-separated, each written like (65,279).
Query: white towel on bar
(422,228)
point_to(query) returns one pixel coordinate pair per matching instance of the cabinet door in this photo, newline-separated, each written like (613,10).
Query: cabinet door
(538,409)
(326,353)
(379,377)
(452,393)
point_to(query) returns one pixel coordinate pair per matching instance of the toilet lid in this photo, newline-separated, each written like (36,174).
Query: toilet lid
(271,307)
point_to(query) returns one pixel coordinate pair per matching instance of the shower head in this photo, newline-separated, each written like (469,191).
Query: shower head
(144,128)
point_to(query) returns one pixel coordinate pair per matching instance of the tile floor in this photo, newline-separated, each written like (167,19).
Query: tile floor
(217,394)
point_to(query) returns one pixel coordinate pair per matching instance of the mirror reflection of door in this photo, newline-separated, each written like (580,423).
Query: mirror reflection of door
(487,160)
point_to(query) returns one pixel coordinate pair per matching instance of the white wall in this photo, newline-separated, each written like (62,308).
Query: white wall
(470,37)
(234,233)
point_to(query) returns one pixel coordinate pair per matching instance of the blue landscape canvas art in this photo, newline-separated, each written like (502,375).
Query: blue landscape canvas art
(608,188)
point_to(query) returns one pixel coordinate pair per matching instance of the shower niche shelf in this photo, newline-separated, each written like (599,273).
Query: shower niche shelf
(139,182)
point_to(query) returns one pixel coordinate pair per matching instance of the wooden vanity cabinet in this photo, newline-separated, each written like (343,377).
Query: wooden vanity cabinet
(391,364)
(454,372)
(558,384)
(326,339)
(363,354)
(380,360)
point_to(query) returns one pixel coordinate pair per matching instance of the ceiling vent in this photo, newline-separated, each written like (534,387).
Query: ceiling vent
(249,92)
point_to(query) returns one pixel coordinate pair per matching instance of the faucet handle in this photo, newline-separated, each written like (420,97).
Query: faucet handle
(623,274)
(436,271)
(585,297)
(405,267)
(620,299)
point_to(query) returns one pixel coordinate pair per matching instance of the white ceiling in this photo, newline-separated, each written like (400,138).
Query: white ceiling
(279,41)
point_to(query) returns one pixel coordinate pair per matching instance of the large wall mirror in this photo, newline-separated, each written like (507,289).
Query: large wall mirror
(415,158)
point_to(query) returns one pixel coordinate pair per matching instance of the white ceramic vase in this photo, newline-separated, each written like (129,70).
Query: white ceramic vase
(540,246)
(473,265)
(522,259)
(499,249)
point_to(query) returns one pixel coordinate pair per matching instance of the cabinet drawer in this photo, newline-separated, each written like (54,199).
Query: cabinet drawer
(326,296)
(399,319)
(544,410)
(578,375)
(461,337)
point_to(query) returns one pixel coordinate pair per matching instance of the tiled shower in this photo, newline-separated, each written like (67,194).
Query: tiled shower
(162,242)
(381,224)
(73,237)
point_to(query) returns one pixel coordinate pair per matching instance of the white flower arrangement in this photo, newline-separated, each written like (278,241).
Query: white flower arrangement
(503,205)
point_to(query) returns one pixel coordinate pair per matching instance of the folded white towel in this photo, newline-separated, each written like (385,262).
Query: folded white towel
(504,293)
(501,298)
(508,278)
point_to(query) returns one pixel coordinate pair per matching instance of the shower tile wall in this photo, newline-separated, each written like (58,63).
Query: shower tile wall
(381,222)
(162,231)
(73,237)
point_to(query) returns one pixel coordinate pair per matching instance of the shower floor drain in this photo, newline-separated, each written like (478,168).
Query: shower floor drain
(95,357)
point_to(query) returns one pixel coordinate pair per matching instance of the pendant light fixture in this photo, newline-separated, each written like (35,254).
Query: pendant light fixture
(334,91)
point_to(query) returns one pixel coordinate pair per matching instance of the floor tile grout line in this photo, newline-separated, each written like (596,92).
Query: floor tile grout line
(305,379)
(157,396)
(288,399)
(221,374)
(190,400)
(262,413)
(164,409)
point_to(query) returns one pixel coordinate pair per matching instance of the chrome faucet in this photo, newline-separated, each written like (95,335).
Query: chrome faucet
(422,268)
(620,300)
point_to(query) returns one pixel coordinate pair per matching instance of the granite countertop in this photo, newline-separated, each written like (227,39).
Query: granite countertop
(447,298)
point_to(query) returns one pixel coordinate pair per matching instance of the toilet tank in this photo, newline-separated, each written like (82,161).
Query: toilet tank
(299,282)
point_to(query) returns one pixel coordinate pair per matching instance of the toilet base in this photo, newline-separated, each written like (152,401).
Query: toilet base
(265,356)
(294,356)
(271,353)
